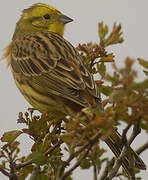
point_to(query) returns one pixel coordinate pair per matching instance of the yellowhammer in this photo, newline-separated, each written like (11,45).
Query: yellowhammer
(49,71)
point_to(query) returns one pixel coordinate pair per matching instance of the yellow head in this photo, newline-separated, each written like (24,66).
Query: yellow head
(41,17)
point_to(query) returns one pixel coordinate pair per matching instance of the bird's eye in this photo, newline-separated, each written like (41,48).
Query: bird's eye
(46,16)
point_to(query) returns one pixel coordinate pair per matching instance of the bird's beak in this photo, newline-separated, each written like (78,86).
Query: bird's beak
(64,19)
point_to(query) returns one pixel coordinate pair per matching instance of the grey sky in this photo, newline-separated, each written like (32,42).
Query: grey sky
(132,14)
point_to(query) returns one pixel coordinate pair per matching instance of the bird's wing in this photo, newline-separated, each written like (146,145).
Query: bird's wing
(48,57)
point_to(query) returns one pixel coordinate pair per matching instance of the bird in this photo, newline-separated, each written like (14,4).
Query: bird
(49,71)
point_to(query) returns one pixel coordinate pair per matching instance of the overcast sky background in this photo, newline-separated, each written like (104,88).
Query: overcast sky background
(132,14)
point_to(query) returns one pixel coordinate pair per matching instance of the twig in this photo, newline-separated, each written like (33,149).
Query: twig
(118,161)
(109,165)
(21,165)
(136,131)
(95,172)
(35,173)
(142,148)
(124,133)
(72,156)
(4,172)
(131,166)
(57,127)
(66,174)
(13,174)
(53,148)
(117,164)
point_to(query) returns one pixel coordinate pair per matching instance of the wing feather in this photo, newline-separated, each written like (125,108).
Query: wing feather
(48,59)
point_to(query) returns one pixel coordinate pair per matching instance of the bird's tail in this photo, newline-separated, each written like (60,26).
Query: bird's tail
(114,142)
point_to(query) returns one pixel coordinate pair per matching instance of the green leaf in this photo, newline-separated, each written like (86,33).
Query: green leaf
(85,164)
(138,178)
(25,171)
(10,136)
(42,177)
(66,138)
(143,63)
(45,145)
(108,58)
(68,178)
(144,126)
(106,90)
(103,30)
(14,145)
(115,36)
(38,158)
(101,69)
